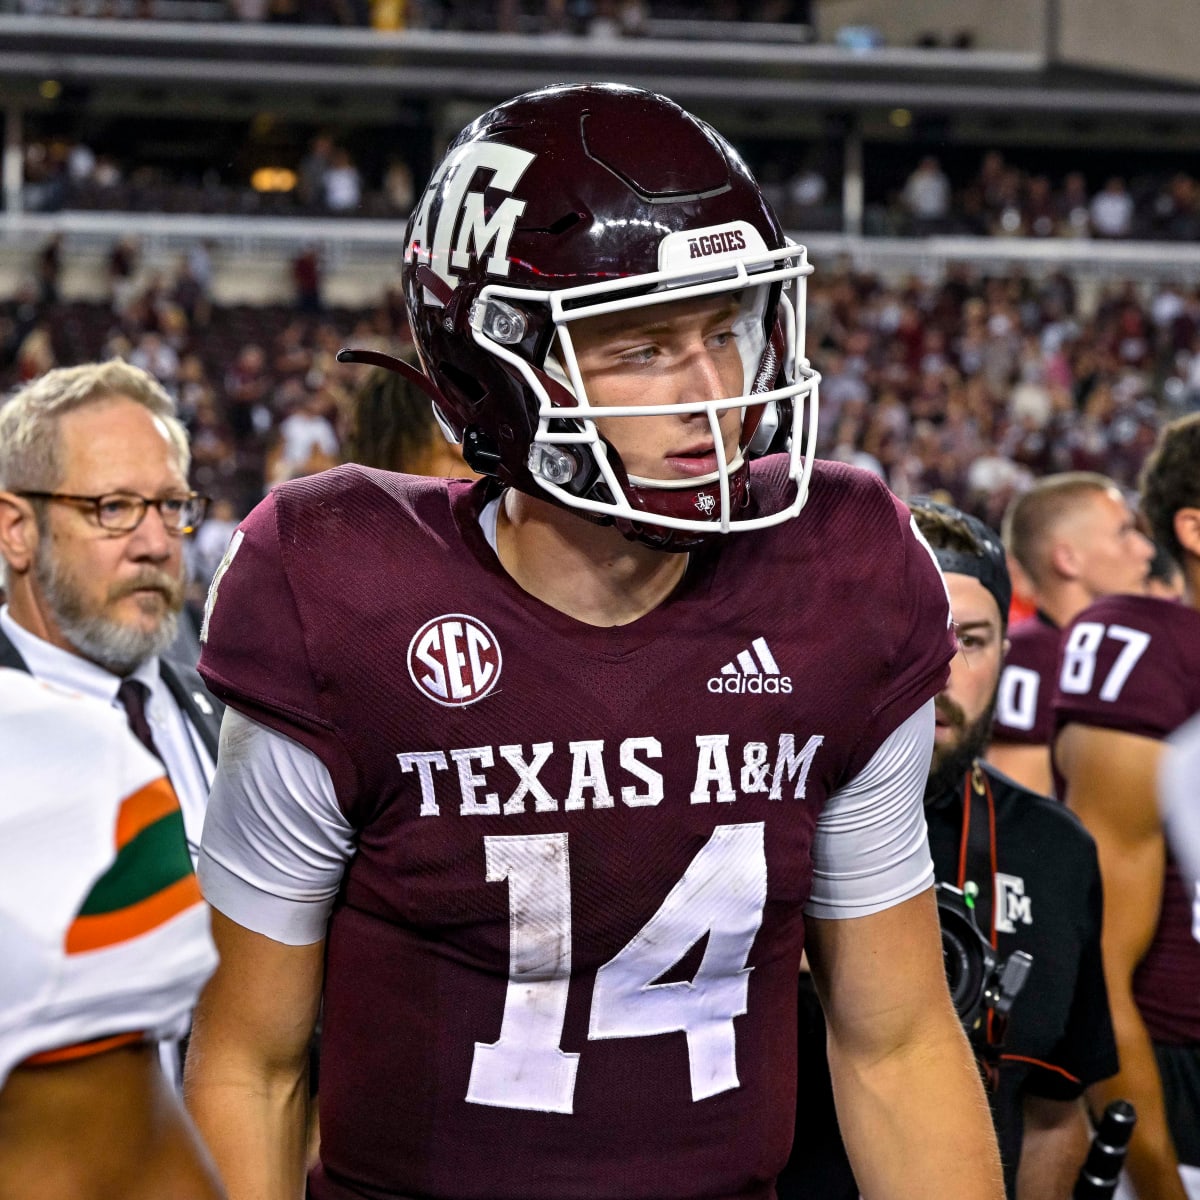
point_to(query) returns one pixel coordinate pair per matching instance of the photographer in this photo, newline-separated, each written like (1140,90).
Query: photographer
(1030,871)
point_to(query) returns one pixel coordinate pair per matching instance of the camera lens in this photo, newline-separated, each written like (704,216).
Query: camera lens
(958,971)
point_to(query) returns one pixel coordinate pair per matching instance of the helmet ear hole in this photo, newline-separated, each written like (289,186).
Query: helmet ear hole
(466,385)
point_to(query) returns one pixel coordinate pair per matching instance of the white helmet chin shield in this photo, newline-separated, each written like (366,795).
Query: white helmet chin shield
(777,400)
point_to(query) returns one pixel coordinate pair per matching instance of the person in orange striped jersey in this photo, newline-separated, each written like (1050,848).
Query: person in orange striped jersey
(105,943)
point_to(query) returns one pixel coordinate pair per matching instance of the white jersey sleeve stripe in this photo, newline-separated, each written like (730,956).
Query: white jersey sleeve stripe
(275,841)
(871,846)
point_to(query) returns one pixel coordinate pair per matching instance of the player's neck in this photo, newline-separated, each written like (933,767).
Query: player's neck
(590,572)
(1063,603)
(1191,583)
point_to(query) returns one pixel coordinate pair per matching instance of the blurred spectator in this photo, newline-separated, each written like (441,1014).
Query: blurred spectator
(247,387)
(81,163)
(249,10)
(206,548)
(35,354)
(157,357)
(804,195)
(49,269)
(398,185)
(926,197)
(311,175)
(123,261)
(1074,208)
(1175,213)
(1111,210)
(342,184)
(306,275)
(307,443)
(1039,212)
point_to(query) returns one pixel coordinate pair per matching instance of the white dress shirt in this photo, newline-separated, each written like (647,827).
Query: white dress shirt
(188,763)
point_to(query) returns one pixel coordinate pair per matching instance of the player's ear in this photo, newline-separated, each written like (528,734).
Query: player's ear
(1064,558)
(1187,529)
(18,531)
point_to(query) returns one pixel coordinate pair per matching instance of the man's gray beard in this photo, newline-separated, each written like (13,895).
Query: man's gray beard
(117,648)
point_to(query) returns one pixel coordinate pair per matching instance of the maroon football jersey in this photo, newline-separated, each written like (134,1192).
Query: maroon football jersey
(563,962)
(1024,700)
(1133,663)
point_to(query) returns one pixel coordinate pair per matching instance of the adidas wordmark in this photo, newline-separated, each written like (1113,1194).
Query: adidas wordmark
(753,672)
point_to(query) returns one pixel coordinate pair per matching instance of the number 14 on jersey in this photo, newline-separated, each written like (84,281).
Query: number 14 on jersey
(721,894)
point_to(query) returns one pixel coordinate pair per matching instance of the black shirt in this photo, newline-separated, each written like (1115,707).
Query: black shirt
(1059,1038)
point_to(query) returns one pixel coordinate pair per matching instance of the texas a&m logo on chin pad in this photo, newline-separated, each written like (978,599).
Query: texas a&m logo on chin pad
(454,659)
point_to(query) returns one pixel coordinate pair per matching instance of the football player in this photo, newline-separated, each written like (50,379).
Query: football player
(1130,676)
(545,782)
(105,944)
(1075,539)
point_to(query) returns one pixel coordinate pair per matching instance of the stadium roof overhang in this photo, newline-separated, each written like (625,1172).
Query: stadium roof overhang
(272,64)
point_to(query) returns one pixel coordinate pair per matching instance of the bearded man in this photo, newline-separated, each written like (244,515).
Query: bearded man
(94,507)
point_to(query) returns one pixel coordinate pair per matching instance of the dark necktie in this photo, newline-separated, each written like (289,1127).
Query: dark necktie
(133,695)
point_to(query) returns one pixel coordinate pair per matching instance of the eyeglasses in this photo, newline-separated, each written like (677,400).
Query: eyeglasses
(123,512)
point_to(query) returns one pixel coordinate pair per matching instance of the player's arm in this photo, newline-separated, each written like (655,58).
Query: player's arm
(247,1065)
(274,848)
(1111,785)
(107,1124)
(1028,765)
(1055,1144)
(909,1098)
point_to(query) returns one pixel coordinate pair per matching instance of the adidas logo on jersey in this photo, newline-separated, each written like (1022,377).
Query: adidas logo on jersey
(754,672)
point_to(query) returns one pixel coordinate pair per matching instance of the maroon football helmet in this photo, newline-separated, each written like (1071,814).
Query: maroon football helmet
(573,202)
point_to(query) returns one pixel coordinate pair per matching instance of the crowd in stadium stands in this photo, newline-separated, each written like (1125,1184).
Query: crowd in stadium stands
(970,386)
(60,174)
(596,18)
(1004,200)
(1000,199)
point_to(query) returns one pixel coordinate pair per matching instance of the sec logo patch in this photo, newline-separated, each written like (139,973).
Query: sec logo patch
(454,659)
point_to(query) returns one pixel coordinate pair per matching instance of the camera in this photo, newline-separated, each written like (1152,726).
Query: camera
(980,981)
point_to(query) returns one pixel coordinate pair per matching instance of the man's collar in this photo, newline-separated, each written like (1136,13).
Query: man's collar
(69,670)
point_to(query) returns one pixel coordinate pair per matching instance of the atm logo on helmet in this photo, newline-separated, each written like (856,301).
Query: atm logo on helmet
(454,659)
(463,230)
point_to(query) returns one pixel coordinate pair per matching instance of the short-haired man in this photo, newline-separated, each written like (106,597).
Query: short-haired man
(105,943)
(1130,678)
(94,505)
(542,784)
(1031,871)
(1075,538)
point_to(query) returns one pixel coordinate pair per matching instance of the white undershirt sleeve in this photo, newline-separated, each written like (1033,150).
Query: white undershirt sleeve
(275,841)
(1179,796)
(871,848)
